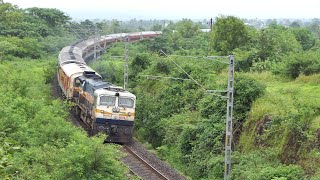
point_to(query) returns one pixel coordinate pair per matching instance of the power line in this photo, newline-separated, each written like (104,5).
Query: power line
(87,44)
(95,32)
(154,77)
(205,57)
(191,79)
(183,70)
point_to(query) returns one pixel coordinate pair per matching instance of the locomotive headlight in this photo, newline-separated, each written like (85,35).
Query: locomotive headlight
(129,114)
(101,129)
(127,131)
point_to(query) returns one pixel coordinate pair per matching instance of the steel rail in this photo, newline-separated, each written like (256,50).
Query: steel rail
(139,158)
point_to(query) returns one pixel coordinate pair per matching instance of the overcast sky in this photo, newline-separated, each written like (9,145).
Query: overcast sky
(177,9)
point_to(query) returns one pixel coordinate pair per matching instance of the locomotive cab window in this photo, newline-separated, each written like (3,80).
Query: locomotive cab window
(107,100)
(77,83)
(126,102)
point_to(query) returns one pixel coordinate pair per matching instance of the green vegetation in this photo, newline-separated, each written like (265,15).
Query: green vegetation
(33,32)
(36,139)
(276,107)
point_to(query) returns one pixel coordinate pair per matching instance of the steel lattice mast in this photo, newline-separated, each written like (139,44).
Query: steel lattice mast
(228,140)
(126,54)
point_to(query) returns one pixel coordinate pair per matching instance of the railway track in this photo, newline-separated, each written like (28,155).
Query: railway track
(146,165)
(140,167)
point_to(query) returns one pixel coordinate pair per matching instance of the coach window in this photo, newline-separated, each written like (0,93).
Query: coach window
(107,100)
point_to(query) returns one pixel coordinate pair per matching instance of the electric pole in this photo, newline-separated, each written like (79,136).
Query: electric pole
(228,140)
(125,66)
(229,97)
(95,44)
(96,41)
(211,24)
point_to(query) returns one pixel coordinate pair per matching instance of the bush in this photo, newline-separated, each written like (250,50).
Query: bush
(37,142)
(26,47)
(263,165)
(139,63)
(306,63)
(246,91)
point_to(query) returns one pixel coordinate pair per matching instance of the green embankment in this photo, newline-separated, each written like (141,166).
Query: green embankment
(36,140)
(287,119)
(279,137)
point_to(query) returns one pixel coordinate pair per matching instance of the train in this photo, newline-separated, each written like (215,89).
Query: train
(100,105)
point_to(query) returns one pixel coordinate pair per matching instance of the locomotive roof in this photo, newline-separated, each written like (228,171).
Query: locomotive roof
(111,91)
(73,68)
(104,87)
(96,82)
(71,53)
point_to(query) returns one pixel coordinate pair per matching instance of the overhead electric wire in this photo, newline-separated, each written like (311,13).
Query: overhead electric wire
(191,78)
(183,70)
(86,35)
(205,57)
(165,77)
(87,44)
(75,32)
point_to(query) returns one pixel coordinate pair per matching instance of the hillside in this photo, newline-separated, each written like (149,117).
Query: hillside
(36,139)
(276,98)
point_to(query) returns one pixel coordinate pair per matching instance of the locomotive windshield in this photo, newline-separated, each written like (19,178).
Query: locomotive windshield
(107,100)
(126,102)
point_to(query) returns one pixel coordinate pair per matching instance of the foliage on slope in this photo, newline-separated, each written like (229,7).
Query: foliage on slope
(276,120)
(286,119)
(33,32)
(36,140)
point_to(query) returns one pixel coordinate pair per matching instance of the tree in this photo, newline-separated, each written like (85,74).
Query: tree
(305,37)
(276,41)
(187,28)
(9,14)
(315,27)
(156,27)
(115,26)
(140,63)
(295,24)
(53,17)
(228,33)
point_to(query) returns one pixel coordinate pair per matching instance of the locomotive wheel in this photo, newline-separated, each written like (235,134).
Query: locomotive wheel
(77,112)
(93,130)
